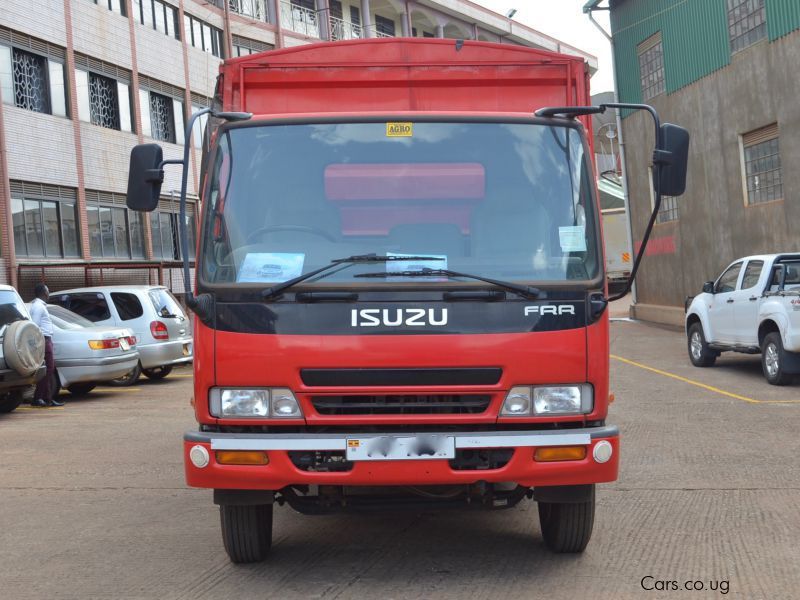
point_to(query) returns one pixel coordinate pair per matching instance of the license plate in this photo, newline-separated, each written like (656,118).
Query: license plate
(123,343)
(187,349)
(419,447)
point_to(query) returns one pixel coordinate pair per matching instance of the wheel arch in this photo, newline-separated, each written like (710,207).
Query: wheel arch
(766,327)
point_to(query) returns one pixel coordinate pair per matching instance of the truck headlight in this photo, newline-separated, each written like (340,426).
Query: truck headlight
(525,401)
(254,403)
(563,400)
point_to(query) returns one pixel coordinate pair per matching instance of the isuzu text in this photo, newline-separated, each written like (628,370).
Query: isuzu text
(400,293)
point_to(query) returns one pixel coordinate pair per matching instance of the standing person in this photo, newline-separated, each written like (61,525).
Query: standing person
(41,317)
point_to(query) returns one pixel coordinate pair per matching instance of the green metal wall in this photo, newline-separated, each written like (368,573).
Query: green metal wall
(694,34)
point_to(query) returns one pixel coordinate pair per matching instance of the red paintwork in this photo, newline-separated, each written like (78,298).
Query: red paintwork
(403,78)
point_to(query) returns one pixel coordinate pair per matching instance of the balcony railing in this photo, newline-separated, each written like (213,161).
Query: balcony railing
(345,30)
(254,9)
(300,19)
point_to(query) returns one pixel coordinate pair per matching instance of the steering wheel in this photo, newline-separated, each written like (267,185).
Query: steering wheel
(298,228)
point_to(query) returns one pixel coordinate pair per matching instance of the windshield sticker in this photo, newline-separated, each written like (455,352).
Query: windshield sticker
(572,238)
(399,130)
(267,267)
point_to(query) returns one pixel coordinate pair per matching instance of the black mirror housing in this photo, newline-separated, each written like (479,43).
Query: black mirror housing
(674,154)
(145,177)
(708,287)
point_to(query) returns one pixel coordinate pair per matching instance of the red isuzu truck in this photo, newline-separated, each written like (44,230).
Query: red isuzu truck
(400,294)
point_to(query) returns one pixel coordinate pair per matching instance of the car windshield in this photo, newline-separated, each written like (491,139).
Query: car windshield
(11,308)
(510,201)
(66,319)
(164,303)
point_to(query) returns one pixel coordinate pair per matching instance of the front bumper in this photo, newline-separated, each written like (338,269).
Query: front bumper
(521,468)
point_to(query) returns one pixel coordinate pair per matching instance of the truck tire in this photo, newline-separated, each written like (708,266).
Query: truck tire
(699,352)
(773,360)
(23,347)
(567,527)
(246,531)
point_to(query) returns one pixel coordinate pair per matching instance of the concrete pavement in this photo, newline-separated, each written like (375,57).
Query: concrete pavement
(93,504)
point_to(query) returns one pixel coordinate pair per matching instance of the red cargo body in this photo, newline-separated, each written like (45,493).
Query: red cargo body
(403,80)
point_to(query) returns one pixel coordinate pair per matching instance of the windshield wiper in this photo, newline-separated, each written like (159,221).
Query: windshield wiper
(523,290)
(275,290)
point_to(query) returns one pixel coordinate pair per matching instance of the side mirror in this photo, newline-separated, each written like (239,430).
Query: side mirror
(145,177)
(708,287)
(674,154)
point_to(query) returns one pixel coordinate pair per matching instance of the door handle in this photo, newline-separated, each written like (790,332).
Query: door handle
(753,298)
(730,301)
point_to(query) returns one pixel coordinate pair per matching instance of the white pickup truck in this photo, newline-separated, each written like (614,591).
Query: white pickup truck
(752,307)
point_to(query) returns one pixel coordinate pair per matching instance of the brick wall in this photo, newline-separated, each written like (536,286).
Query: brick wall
(40,18)
(100,33)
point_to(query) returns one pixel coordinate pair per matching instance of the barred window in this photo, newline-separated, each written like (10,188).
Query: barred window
(203,36)
(43,228)
(651,67)
(103,101)
(32,81)
(162,119)
(747,23)
(668,211)
(762,165)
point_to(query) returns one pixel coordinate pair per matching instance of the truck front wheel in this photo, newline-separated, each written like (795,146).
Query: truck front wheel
(567,526)
(773,360)
(246,531)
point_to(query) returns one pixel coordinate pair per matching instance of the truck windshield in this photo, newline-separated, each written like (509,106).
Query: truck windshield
(510,201)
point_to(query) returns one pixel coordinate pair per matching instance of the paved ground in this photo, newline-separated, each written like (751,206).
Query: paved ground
(93,504)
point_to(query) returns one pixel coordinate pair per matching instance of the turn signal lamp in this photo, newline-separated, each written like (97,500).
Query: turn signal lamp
(242,457)
(559,453)
(103,344)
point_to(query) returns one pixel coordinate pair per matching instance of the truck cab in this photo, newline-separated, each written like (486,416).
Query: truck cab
(400,288)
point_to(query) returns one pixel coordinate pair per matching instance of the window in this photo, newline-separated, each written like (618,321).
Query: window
(158,15)
(255,9)
(727,281)
(244,46)
(162,110)
(651,67)
(89,305)
(44,221)
(199,125)
(761,160)
(114,231)
(355,15)
(103,99)
(117,6)
(752,274)
(166,234)
(162,119)
(747,23)
(33,81)
(203,36)
(384,26)
(128,305)
(164,303)
(668,211)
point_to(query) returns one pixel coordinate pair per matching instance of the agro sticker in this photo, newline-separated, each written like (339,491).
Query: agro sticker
(399,130)
(572,238)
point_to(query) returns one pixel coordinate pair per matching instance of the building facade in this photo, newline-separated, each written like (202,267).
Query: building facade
(725,70)
(83,81)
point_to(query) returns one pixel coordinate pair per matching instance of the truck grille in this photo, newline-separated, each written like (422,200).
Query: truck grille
(406,404)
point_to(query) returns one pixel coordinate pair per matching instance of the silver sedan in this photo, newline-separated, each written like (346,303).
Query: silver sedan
(85,354)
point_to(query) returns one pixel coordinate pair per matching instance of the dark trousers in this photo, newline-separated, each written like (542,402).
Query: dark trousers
(43,388)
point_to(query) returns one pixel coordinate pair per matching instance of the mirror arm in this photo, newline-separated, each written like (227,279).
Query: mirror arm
(660,158)
(191,301)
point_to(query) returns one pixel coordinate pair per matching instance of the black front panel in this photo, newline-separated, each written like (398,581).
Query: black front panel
(402,404)
(403,318)
(394,377)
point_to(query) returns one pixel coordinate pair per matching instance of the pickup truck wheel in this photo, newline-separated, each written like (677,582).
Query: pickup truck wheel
(567,527)
(699,352)
(246,531)
(773,358)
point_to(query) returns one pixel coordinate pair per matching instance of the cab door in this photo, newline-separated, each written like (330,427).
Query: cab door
(721,316)
(745,303)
